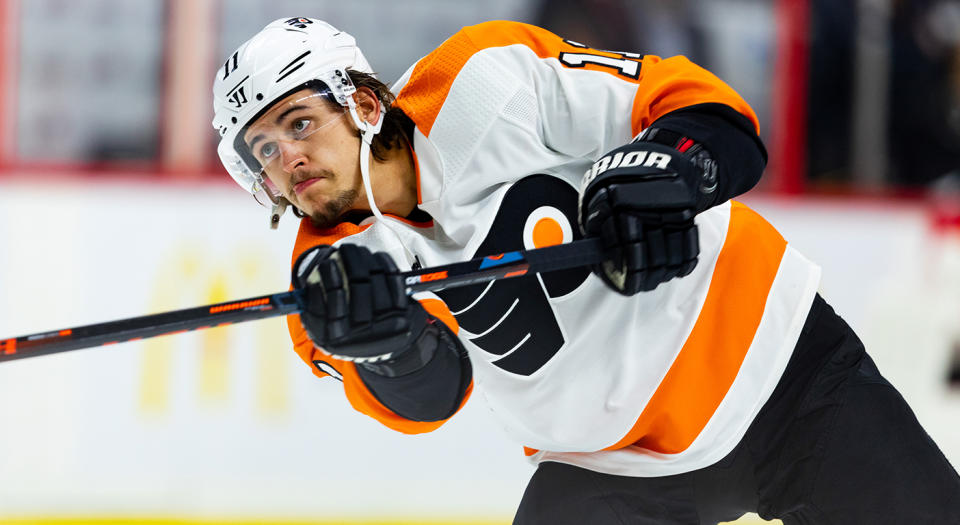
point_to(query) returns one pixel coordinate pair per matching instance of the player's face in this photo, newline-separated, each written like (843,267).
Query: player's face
(309,148)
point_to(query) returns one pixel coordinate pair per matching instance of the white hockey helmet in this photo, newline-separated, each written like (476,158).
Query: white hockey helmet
(279,60)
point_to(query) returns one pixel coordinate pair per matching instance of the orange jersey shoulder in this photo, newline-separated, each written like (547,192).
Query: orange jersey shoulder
(663,85)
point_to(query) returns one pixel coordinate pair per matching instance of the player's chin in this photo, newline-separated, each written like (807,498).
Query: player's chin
(325,217)
(310,208)
(326,213)
(318,209)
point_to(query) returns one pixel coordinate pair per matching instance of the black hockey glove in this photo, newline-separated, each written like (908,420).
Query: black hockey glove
(354,305)
(641,199)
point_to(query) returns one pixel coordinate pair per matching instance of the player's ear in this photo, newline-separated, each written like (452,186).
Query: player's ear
(368,104)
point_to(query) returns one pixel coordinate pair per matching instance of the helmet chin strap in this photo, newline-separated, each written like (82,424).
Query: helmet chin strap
(368,131)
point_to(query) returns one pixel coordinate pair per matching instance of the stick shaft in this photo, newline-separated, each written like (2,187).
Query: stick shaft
(475,271)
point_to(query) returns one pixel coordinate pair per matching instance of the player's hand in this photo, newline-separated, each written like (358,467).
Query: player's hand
(354,305)
(643,209)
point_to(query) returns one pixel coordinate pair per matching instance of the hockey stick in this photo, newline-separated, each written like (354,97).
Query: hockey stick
(510,264)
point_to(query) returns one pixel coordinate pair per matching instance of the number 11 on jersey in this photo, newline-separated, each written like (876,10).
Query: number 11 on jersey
(628,64)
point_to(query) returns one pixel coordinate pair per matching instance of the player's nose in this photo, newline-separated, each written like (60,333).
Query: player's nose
(292,155)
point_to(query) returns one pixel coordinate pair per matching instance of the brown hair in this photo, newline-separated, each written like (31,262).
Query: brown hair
(397,129)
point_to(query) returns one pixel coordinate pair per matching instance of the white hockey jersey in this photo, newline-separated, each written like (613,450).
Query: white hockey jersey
(508,118)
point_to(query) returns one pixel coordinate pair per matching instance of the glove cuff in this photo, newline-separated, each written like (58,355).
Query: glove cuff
(720,141)
(416,355)
(694,151)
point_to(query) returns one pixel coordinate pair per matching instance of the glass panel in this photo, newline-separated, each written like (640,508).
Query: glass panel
(393,35)
(89,80)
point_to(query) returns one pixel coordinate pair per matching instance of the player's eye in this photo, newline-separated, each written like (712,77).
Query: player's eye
(268,150)
(300,125)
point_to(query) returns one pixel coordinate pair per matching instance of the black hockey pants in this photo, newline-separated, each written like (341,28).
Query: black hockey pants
(835,444)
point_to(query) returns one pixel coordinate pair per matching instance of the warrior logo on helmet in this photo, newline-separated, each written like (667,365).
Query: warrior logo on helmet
(237,95)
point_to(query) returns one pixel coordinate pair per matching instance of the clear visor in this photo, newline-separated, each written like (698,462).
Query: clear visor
(286,134)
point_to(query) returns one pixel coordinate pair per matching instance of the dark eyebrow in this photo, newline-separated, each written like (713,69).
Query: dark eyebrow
(276,121)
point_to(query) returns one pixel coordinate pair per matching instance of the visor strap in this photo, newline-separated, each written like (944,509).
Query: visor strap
(368,132)
(367,138)
(365,175)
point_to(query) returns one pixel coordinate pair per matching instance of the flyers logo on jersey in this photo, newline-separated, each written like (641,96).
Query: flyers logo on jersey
(513,320)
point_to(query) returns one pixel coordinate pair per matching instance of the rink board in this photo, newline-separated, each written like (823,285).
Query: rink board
(227,424)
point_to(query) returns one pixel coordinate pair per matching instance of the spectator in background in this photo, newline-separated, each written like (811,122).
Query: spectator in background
(830,96)
(656,27)
(601,24)
(924,129)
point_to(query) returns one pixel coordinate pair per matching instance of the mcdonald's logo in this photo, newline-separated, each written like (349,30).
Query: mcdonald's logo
(191,275)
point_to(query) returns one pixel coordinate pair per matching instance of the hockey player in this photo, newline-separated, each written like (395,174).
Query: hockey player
(692,377)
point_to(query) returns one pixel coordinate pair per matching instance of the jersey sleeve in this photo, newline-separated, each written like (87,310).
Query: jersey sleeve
(587,101)
(323,365)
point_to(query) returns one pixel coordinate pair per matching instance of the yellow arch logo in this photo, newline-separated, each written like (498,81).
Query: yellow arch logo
(194,276)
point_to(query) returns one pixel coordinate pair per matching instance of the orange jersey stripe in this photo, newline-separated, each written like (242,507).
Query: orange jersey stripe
(309,235)
(664,85)
(430,82)
(710,359)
